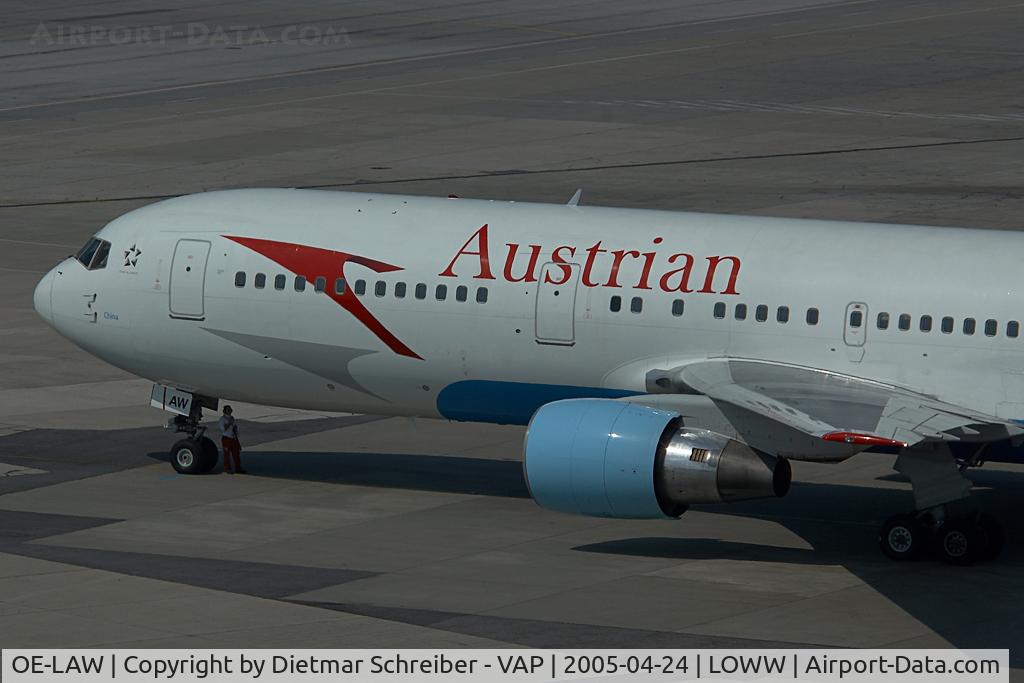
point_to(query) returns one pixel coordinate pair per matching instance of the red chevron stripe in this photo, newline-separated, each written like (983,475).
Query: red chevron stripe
(314,262)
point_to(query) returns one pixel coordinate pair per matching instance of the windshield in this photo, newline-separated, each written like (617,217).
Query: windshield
(100,259)
(94,254)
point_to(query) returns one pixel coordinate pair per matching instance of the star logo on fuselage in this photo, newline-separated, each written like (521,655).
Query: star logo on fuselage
(131,256)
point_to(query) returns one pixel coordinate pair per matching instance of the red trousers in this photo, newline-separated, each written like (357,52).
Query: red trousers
(232,452)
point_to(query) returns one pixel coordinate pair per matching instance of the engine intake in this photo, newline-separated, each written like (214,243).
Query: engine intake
(609,458)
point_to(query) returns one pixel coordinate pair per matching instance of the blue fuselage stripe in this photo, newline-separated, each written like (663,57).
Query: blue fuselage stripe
(509,402)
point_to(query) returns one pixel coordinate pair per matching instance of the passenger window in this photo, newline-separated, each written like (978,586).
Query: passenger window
(615,305)
(947,325)
(461,293)
(741,312)
(782,315)
(856,318)
(677,307)
(240,279)
(399,290)
(761,313)
(360,287)
(812,316)
(720,310)
(300,283)
(421,291)
(1013,329)
(926,323)
(280,281)
(339,285)
(381,288)
(636,305)
(481,295)
(904,321)
(260,281)
(320,284)
(882,321)
(968,326)
(441,292)
(991,328)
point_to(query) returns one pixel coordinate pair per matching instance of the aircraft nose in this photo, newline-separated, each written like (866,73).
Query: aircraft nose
(41,297)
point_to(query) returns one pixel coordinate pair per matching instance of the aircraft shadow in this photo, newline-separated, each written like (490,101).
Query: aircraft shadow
(971,607)
(674,548)
(441,473)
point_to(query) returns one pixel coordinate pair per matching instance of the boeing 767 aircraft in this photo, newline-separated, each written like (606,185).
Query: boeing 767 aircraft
(660,359)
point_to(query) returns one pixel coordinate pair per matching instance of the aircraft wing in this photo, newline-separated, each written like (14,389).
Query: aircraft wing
(836,407)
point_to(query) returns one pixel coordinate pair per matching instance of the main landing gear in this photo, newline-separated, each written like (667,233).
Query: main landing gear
(972,536)
(196,453)
(946,521)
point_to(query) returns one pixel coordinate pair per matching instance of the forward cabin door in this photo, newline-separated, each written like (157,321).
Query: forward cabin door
(855,327)
(188,279)
(556,303)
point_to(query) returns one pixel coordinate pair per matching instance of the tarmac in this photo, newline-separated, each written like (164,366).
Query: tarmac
(362,531)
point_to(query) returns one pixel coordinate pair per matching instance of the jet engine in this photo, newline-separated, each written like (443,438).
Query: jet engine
(608,458)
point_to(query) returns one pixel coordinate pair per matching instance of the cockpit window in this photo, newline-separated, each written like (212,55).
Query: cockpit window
(86,253)
(94,254)
(100,259)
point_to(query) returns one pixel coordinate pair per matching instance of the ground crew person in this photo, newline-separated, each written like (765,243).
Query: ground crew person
(229,442)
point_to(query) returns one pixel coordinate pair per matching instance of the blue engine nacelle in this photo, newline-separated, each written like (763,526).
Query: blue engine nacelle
(609,458)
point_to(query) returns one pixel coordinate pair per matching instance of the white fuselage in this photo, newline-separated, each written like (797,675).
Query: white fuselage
(171,311)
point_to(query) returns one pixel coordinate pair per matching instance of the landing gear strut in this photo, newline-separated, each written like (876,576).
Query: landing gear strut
(945,521)
(197,453)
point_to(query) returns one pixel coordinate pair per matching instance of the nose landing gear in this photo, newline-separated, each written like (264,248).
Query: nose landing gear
(194,456)
(197,453)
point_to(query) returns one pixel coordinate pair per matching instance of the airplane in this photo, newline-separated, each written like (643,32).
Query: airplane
(659,359)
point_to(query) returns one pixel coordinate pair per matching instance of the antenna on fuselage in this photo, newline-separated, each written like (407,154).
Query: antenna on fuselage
(576,197)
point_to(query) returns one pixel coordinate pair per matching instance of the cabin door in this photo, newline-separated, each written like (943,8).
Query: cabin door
(855,327)
(188,279)
(556,303)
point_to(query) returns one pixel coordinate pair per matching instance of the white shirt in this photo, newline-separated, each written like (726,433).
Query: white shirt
(228,428)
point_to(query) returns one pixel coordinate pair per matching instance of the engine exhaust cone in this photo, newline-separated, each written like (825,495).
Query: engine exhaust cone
(699,466)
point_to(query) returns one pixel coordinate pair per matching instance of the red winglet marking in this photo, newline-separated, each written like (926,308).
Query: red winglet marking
(314,262)
(863,439)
